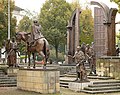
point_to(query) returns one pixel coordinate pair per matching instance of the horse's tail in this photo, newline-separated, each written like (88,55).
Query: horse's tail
(44,48)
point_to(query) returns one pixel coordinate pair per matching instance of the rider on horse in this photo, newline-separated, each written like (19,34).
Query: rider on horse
(35,33)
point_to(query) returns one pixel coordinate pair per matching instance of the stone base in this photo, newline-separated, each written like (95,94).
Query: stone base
(108,66)
(12,71)
(39,80)
(78,86)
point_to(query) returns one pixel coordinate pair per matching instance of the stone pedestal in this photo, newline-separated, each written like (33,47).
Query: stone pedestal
(39,80)
(78,86)
(12,71)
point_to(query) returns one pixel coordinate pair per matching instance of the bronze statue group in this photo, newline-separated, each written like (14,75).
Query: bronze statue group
(35,43)
(84,54)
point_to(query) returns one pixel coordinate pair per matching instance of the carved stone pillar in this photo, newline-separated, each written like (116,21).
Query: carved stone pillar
(72,35)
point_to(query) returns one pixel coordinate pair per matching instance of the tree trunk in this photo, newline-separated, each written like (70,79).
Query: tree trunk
(56,53)
(0,52)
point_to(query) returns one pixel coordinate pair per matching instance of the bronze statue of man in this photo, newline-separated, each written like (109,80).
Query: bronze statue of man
(35,31)
(13,51)
(83,47)
(92,60)
(80,68)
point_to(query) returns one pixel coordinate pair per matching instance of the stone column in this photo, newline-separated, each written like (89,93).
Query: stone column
(68,58)
(72,35)
(77,29)
(112,42)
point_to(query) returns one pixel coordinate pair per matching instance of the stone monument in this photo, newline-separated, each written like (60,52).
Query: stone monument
(104,29)
(39,79)
(104,38)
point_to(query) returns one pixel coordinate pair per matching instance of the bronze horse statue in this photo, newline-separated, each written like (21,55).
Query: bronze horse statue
(40,46)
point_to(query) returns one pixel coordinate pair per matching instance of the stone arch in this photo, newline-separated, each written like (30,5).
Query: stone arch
(112,13)
(109,29)
(105,9)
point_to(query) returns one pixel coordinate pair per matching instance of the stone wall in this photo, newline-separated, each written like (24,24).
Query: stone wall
(67,69)
(109,66)
(39,80)
(12,71)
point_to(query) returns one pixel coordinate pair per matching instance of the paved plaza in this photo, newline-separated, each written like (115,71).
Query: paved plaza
(64,91)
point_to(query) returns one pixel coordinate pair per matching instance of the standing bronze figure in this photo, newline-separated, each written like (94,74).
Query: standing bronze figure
(13,52)
(92,61)
(80,68)
(11,49)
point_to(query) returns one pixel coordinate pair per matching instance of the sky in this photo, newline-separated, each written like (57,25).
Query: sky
(35,5)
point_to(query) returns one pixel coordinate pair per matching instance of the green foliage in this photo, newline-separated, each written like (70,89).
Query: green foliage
(86,26)
(86,37)
(53,57)
(4,20)
(75,5)
(118,3)
(22,48)
(22,57)
(53,18)
(25,24)
(118,39)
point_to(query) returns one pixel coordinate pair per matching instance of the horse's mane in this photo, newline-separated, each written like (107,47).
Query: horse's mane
(26,33)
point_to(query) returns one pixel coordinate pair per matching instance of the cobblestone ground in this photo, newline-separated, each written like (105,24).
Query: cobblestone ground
(64,91)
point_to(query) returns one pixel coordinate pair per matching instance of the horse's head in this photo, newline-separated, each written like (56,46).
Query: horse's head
(22,36)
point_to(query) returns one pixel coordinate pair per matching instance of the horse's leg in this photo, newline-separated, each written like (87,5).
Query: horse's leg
(25,57)
(27,47)
(15,60)
(29,59)
(44,59)
(33,59)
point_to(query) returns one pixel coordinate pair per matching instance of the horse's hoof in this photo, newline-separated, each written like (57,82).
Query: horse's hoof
(34,67)
(44,67)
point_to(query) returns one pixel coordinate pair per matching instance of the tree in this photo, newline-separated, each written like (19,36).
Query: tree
(25,24)
(53,18)
(4,20)
(118,38)
(86,26)
(118,3)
